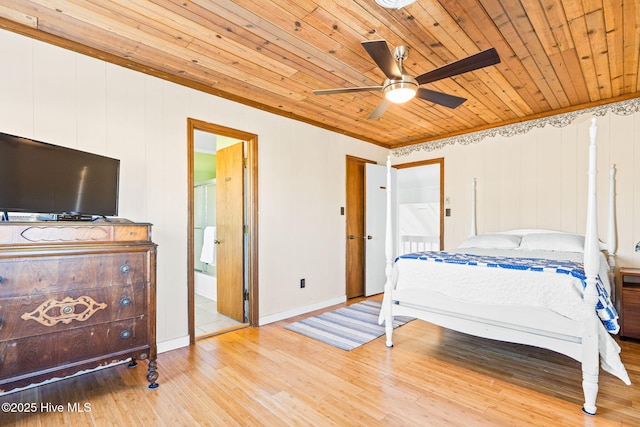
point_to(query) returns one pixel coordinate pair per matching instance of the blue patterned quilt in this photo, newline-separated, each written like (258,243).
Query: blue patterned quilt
(605,309)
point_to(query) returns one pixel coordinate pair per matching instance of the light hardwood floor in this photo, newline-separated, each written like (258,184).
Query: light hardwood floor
(270,376)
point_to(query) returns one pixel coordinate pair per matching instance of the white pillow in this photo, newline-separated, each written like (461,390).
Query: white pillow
(560,242)
(525,231)
(492,241)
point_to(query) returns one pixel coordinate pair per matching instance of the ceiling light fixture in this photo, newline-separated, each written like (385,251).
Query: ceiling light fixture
(394,4)
(400,91)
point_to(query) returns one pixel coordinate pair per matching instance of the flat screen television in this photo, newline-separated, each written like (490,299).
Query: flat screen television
(38,177)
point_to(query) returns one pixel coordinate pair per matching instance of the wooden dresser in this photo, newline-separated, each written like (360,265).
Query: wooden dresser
(75,296)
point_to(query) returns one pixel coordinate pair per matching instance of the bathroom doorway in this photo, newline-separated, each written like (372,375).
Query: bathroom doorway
(222,229)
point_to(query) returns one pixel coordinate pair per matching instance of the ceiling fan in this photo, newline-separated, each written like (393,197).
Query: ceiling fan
(399,87)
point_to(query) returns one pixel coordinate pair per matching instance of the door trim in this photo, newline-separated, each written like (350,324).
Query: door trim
(251,192)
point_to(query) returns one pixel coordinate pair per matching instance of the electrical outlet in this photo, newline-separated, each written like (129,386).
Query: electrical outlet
(303,283)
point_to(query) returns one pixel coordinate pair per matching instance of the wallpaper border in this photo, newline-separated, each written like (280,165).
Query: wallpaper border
(622,108)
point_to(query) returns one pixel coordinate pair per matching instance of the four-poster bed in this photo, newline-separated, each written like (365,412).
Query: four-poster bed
(535,287)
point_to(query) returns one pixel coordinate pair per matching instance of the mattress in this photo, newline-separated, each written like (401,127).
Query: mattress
(541,279)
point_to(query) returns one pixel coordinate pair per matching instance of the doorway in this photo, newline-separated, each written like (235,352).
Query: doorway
(222,229)
(420,206)
(355,217)
(419,195)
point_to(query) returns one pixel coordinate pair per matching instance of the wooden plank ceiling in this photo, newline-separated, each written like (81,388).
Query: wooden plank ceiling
(557,55)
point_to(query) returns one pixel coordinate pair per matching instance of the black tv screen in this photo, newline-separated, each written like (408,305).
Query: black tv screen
(37,177)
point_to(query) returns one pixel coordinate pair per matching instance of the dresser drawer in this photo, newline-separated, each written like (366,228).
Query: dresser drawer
(631,324)
(630,315)
(631,296)
(41,314)
(38,353)
(37,234)
(55,274)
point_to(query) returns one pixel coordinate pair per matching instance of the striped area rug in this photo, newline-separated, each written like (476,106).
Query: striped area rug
(347,327)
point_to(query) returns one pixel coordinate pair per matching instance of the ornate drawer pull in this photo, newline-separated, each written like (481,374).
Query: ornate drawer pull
(125,301)
(125,268)
(125,334)
(52,311)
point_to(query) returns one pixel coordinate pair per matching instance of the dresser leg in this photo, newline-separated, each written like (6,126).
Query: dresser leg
(152,374)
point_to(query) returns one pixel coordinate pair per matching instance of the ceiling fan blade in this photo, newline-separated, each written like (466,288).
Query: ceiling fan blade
(378,50)
(346,89)
(380,109)
(439,98)
(464,65)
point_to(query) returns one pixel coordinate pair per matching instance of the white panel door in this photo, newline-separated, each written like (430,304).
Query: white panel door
(375,225)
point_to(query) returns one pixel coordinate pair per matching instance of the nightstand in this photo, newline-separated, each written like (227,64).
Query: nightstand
(630,303)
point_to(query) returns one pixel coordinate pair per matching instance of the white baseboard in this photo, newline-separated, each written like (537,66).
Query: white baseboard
(174,344)
(300,310)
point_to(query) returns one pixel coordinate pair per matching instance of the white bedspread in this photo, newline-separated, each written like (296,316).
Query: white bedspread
(559,293)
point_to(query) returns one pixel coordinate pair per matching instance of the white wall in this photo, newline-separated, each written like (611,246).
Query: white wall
(539,180)
(61,97)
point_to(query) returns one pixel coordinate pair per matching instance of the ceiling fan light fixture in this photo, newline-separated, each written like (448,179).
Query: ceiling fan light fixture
(400,91)
(394,4)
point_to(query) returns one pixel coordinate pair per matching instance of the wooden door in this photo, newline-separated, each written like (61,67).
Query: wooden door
(229,230)
(355,250)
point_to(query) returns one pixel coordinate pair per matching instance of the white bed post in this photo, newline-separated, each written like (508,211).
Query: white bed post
(590,356)
(474,230)
(612,242)
(386,314)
